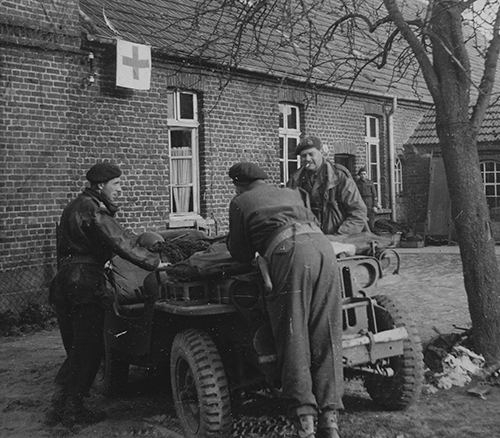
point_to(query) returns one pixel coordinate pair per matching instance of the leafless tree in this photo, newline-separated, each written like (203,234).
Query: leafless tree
(439,43)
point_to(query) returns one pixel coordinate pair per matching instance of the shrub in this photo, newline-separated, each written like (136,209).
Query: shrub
(32,317)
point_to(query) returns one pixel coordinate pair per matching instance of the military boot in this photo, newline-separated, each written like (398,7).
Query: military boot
(305,426)
(76,413)
(55,412)
(327,425)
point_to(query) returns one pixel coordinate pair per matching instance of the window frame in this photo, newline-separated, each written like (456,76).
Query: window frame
(398,176)
(496,181)
(176,123)
(176,120)
(285,134)
(373,162)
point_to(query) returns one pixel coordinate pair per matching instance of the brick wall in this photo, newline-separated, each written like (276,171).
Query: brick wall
(416,178)
(39,45)
(411,204)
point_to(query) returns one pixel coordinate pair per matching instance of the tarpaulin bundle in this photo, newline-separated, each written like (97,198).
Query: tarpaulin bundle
(177,250)
(214,261)
(178,245)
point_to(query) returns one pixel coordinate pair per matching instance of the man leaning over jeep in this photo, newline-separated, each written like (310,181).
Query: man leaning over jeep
(304,303)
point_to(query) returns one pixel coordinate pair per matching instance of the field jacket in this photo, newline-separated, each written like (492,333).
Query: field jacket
(342,209)
(87,237)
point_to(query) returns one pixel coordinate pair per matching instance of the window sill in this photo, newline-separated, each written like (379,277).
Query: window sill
(190,221)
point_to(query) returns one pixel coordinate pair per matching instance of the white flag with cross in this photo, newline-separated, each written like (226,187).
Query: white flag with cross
(133,65)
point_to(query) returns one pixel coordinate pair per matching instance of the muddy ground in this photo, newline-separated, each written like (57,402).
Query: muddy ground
(432,289)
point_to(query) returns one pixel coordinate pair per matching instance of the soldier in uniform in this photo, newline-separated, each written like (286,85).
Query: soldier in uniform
(88,236)
(329,190)
(304,303)
(368,192)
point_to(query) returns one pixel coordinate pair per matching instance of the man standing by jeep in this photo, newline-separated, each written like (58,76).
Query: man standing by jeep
(329,190)
(304,301)
(88,236)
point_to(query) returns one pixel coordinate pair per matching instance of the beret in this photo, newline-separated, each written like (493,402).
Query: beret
(103,172)
(308,143)
(244,173)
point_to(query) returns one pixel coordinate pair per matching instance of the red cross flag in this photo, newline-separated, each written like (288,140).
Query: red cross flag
(133,65)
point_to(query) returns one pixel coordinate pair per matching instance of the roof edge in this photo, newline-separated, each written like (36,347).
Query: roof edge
(93,38)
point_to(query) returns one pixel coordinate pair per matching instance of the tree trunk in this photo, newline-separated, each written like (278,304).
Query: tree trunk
(448,80)
(472,223)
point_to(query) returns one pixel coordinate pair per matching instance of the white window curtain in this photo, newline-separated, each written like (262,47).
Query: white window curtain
(182,178)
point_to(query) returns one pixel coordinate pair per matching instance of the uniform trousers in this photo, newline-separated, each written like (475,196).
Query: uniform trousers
(305,309)
(372,216)
(81,328)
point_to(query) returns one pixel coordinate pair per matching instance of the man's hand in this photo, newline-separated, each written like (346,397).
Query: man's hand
(343,249)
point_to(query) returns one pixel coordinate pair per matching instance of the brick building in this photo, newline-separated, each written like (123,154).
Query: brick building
(426,178)
(62,112)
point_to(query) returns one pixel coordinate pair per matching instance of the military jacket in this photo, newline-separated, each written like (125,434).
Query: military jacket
(255,215)
(88,236)
(341,209)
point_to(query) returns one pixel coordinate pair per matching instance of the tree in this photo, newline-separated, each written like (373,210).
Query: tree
(448,78)
(432,40)
(447,73)
(439,44)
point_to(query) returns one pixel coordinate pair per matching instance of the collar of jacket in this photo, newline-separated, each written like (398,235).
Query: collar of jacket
(326,171)
(329,177)
(101,200)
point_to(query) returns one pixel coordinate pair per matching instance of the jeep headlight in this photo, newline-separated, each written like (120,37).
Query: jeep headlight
(364,275)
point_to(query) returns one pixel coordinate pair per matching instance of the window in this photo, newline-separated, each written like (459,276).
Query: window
(289,133)
(182,120)
(372,141)
(490,173)
(398,176)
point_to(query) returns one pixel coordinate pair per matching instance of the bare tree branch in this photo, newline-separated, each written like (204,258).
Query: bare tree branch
(488,79)
(430,77)
(460,53)
(387,48)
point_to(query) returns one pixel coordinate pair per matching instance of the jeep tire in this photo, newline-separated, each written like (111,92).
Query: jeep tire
(199,386)
(404,387)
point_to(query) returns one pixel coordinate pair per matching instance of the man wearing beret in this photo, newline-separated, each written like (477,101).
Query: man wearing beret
(329,190)
(88,236)
(303,299)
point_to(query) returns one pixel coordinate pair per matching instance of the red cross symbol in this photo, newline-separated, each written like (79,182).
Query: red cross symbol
(135,62)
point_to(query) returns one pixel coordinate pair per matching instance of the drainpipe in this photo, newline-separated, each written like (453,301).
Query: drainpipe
(392,156)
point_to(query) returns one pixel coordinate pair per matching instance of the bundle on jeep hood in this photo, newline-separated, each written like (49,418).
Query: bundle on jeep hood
(214,261)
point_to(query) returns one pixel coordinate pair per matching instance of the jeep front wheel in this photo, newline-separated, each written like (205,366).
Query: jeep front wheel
(401,389)
(199,386)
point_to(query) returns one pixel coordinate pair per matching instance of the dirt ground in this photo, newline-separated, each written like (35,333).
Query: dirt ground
(29,363)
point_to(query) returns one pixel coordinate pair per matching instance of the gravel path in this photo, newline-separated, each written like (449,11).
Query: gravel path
(431,287)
